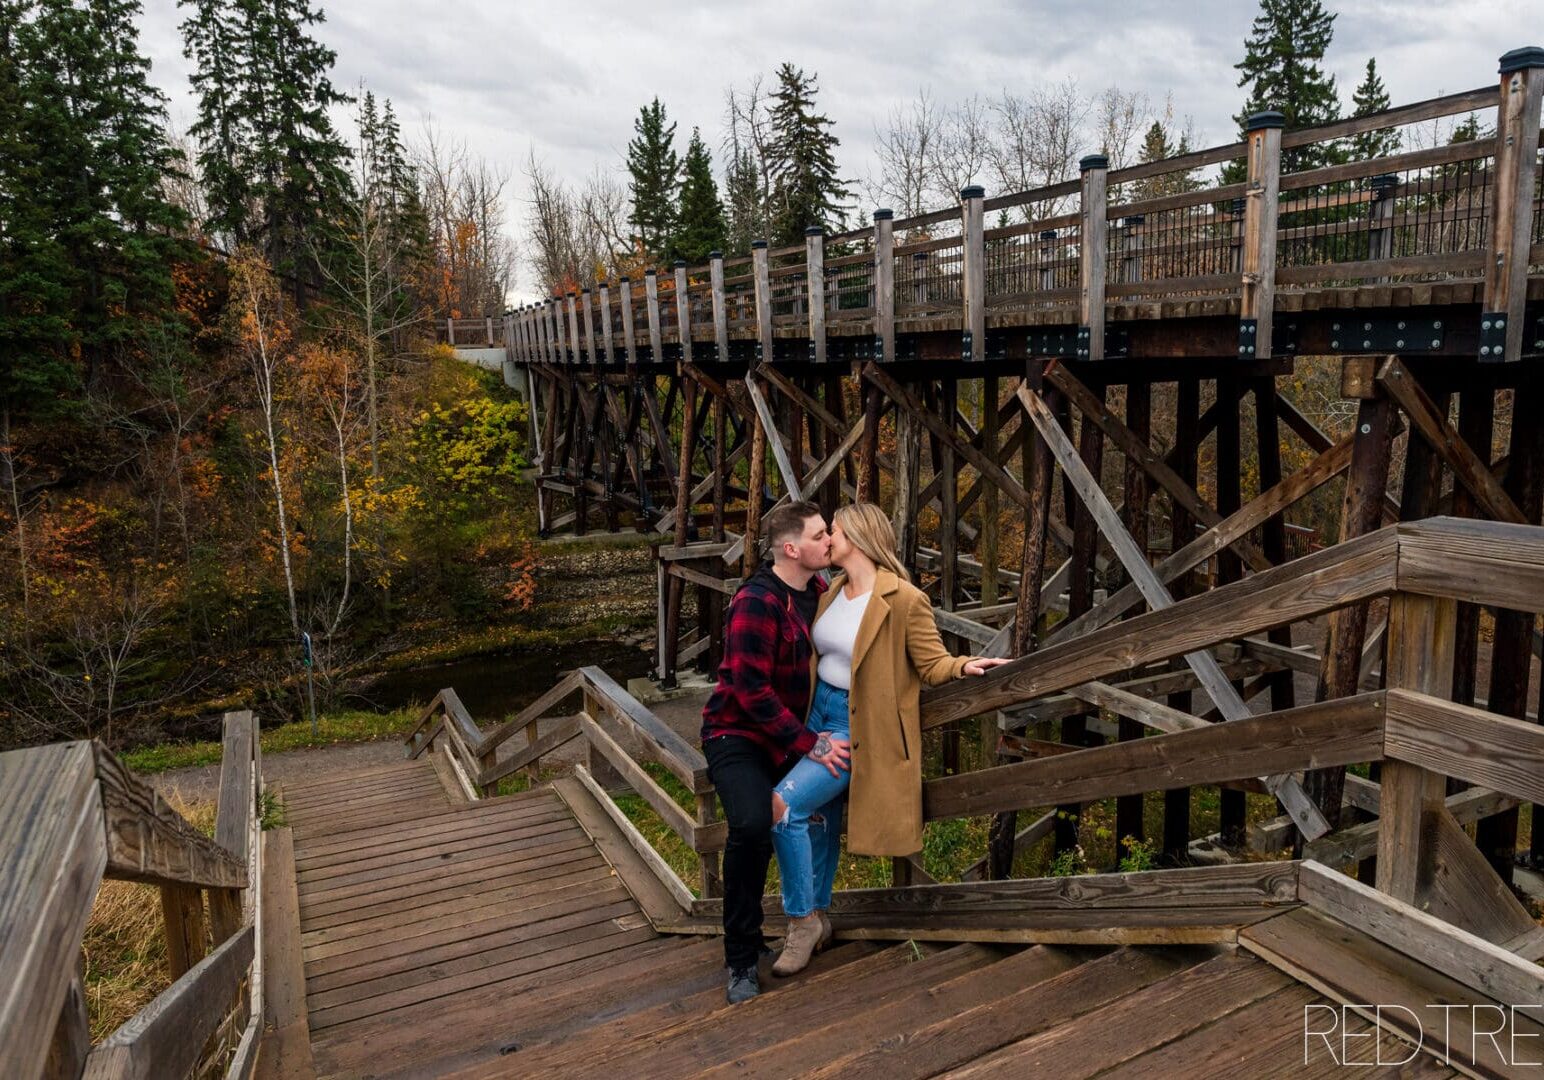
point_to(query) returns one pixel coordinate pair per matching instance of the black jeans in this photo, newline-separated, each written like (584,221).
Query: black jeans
(744,776)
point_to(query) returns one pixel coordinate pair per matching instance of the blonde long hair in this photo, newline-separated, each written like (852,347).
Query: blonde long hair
(870,531)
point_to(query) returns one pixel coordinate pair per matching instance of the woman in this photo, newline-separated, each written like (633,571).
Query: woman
(876,646)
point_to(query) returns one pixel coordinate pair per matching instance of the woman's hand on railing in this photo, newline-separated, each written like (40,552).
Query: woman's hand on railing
(980,665)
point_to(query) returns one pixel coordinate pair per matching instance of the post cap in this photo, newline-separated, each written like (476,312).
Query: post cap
(884,214)
(815,230)
(1137,219)
(679,264)
(1048,234)
(650,272)
(758,245)
(715,255)
(1236,206)
(1270,118)
(1093,161)
(1521,59)
(584,292)
(572,294)
(973,191)
(623,278)
(1384,182)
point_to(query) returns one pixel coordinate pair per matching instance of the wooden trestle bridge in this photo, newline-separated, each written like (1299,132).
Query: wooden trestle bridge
(407,920)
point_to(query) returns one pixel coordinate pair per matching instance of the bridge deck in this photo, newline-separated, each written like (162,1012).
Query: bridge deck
(493,938)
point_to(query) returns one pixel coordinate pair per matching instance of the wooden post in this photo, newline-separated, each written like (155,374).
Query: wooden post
(1258,289)
(1230,567)
(1512,648)
(1093,246)
(1080,592)
(815,287)
(884,285)
(1362,512)
(651,301)
(1047,279)
(763,289)
(1420,658)
(973,273)
(919,280)
(450,332)
(720,315)
(605,351)
(1511,217)
(587,327)
(488,326)
(1038,474)
(711,883)
(182,909)
(908,465)
(573,330)
(683,517)
(1128,808)
(1380,221)
(629,343)
(986,549)
(757,478)
(683,307)
(1187,447)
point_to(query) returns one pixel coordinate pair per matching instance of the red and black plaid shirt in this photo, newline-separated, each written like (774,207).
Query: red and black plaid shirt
(763,691)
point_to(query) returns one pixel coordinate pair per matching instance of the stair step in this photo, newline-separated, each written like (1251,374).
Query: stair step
(944,1044)
(904,1006)
(1166,1010)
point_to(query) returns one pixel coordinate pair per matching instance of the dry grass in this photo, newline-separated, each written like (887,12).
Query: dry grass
(124,947)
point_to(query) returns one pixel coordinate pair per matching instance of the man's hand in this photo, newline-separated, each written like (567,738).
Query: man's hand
(832,751)
(980,665)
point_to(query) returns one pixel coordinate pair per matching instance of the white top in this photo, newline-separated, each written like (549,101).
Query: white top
(835,633)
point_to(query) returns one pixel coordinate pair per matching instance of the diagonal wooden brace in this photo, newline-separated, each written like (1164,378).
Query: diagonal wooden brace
(1284,786)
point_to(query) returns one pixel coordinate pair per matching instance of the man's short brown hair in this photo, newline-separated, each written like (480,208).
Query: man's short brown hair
(786,523)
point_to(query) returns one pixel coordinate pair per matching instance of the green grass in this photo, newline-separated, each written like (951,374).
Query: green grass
(354,726)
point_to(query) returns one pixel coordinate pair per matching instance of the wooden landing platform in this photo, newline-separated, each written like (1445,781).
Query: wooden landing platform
(495,939)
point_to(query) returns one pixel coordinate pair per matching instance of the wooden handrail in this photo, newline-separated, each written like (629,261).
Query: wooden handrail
(72,814)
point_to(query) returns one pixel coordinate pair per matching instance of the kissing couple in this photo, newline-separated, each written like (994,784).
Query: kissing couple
(818,704)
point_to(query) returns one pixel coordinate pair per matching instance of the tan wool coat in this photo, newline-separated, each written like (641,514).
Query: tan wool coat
(897,652)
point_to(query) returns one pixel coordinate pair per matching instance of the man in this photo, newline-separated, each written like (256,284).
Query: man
(753,724)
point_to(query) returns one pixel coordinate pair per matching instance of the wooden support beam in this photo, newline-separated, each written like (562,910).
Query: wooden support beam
(629,341)
(1093,239)
(720,315)
(815,285)
(1511,210)
(683,309)
(1222,693)
(1257,296)
(973,273)
(651,305)
(1340,731)
(884,283)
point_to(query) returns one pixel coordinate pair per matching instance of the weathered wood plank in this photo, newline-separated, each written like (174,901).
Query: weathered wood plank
(167,1036)
(1450,739)
(1482,562)
(661,894)
(1303,588)
(699,838)
(1330,733)
(566,729)
(669,748)
(1460,955)
(149,841)
(52,853)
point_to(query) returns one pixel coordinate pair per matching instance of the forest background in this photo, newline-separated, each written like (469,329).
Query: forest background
(224,420)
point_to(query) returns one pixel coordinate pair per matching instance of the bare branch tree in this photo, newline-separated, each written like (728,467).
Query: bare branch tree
(908,154)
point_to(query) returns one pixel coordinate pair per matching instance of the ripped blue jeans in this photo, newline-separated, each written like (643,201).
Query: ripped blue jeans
(808,839)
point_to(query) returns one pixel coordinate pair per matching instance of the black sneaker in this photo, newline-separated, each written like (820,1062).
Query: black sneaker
(743,985)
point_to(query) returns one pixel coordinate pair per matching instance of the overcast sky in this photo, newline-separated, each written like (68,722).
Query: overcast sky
(566,80)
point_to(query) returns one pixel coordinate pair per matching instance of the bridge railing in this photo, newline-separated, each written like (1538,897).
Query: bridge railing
(70,815)
(614,763)
(1294,215)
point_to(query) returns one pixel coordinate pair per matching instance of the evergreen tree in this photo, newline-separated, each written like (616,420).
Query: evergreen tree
(1157,147)
(35,370)
(212,39)
(700,226)
(744,202)
(655,171)
(298,163)
(100,168)
(1371,97)
(1281,68)
(806,188)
